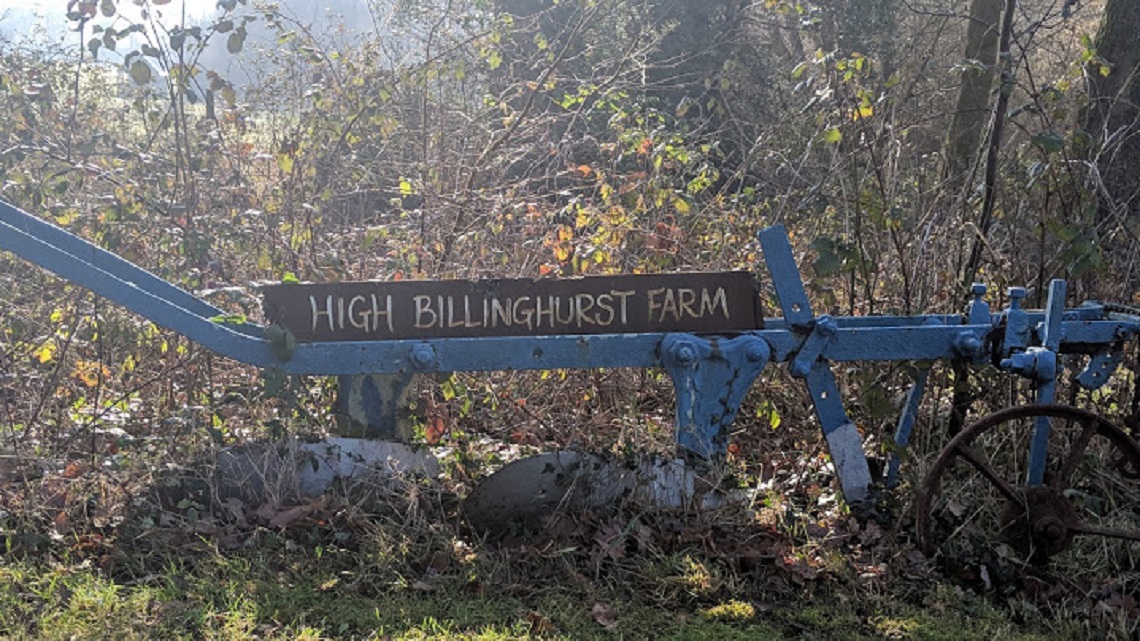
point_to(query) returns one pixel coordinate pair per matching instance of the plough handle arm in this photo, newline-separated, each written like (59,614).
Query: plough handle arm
(91,255)
(122,282)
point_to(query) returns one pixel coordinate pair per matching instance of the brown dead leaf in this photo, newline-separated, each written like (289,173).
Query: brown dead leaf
(523,437)
(1123,603)
(604,615)
(438,562)
(236,508)
(872,533)
(539,625)
(610,537)
(293,514)
(435,430)
(62,523)
(279,518)
(267,511)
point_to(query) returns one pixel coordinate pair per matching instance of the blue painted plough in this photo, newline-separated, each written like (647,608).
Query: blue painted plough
(712,371)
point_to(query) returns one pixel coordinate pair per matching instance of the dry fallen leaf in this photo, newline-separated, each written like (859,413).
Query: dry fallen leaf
(604,615)
(284,519)
(236,508)
(539,625)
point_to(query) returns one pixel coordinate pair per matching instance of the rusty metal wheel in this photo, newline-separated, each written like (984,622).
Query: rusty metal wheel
(977,513)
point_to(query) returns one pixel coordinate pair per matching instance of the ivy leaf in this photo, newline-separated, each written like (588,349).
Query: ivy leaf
(281,341)
(229,319)
(1050,141)
(236,41)
(274,381)
(828,261)
(140,72)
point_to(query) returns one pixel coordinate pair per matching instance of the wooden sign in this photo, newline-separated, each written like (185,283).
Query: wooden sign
(378,310)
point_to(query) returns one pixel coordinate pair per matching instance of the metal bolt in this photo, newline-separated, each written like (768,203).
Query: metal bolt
(423,356)
(684,354)
(757,351)
(967,344)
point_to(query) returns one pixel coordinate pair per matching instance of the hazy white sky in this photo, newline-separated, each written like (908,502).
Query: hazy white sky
(17,17)
(46,20)
(194,8)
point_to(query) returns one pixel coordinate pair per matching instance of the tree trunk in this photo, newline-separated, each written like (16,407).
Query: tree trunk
(1114,108)
(972,111)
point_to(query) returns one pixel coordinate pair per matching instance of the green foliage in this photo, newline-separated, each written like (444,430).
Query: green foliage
(281,340)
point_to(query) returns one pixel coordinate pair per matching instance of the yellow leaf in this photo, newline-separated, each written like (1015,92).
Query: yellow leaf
(90,372)
(46,352)
(681,206)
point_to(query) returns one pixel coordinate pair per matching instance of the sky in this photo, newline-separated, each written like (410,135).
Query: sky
(43,24)
(20,18)
(194,8)
(47,19)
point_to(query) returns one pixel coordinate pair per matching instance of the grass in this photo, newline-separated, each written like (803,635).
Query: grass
(382,583)
(132,553)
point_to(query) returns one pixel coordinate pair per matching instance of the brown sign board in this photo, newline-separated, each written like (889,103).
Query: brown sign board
(376,310)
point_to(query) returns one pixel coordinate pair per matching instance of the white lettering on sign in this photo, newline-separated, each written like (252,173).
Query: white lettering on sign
(360,312)
(605,311)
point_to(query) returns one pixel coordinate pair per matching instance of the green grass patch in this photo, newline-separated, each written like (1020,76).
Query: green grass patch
(287,592)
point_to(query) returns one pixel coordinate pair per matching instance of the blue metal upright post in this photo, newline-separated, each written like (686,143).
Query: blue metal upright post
(843,439)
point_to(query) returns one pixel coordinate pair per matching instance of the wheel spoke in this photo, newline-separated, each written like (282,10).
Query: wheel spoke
(987,470)
(981,473)
(1110,532)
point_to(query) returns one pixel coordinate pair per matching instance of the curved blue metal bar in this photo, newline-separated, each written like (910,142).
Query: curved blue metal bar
(221,338)
(91,255)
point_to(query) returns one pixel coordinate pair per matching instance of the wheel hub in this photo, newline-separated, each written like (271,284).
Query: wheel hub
(1040,525)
